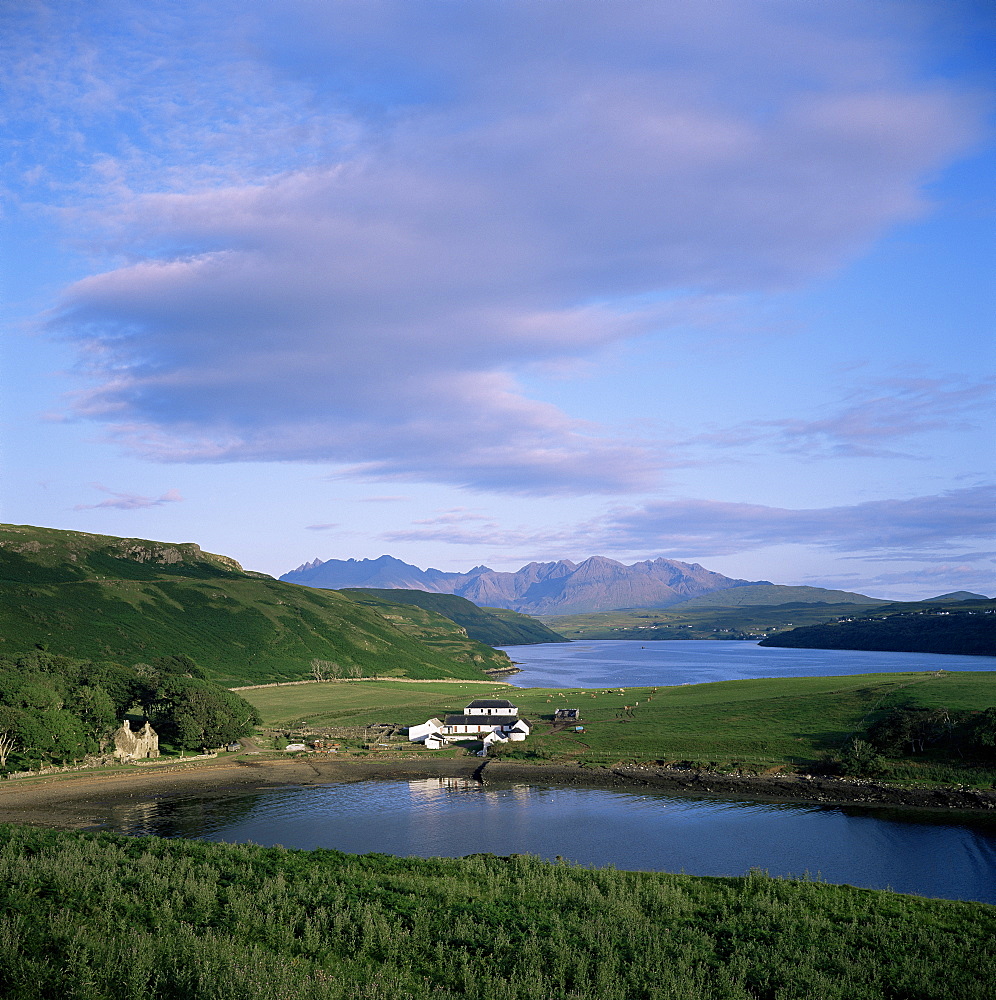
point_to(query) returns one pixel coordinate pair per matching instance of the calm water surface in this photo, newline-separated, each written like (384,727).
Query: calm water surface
(630,663)
(640,831)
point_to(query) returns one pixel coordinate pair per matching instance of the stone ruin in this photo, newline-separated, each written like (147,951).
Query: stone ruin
(130,745)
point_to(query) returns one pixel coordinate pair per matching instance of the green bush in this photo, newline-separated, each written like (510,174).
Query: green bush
(101,916)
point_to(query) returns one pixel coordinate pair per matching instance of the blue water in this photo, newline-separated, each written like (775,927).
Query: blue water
(631,830)
(630,663)
(641,831)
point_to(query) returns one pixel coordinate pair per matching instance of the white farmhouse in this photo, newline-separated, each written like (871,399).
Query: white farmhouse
(418,734)
(494,718)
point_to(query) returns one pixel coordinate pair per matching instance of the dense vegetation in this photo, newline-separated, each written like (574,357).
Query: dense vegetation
(492,626)
(968,627)
(89,917)
(793,723)
(56,709)
(98,597)
(919,733)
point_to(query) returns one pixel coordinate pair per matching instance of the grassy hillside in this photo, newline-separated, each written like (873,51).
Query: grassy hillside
(492,626)
(773,594)
(707,622)
(714,621)
(751,724)
(967,627)
(97,916)
(132,600)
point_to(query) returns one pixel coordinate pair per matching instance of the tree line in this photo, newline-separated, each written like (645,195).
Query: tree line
(57,709)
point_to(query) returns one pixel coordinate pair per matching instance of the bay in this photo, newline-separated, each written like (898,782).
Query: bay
(630,663)
(452,817)
(630,830)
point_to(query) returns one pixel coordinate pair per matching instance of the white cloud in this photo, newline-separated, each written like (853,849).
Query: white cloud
(503,182)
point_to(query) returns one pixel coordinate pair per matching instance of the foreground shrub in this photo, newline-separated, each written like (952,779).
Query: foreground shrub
(101,916)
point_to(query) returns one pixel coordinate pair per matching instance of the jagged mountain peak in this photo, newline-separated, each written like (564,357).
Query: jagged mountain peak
(598,583)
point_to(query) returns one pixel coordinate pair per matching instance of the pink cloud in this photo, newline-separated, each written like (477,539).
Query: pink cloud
(129,501)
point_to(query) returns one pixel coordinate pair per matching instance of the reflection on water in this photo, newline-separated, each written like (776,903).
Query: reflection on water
(188,818)
(452,817)
(631,663)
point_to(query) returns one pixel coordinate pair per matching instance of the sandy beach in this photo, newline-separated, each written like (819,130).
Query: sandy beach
(90,800)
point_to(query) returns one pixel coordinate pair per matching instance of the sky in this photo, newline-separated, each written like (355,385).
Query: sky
(507,280)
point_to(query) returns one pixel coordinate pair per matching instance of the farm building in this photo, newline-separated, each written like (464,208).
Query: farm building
(479,718)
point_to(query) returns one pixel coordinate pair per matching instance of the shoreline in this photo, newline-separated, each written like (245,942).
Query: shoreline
(92,800)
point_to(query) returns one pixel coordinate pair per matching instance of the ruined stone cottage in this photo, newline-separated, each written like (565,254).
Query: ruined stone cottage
(135,745)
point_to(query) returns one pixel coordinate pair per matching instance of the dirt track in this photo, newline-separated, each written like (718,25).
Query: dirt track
(90,800)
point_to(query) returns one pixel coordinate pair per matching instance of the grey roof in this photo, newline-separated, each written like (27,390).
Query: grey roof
(486,703)
(481,720)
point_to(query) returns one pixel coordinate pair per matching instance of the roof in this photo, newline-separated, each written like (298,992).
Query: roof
(486,703)
(482,720)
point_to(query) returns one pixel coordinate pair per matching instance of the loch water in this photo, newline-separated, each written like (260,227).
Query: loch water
(645,831)
(426,817)
(905,852)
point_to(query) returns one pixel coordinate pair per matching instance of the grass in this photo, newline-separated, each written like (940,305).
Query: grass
(89,917)
(129,600)
(750,724)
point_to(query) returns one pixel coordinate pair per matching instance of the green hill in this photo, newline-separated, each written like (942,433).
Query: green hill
(968,628)
(751,621)
(770,594)
(131,600)
(492,626)
(723,616)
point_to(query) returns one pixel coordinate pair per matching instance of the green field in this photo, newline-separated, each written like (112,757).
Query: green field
(747,724)
(96,917)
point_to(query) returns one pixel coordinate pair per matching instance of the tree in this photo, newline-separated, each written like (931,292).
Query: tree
(7,745)
(192,713)
(911,730)
(860,760)
(981,732)
(325,670)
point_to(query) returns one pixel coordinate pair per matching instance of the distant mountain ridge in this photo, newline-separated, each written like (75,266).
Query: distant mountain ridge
(562,587)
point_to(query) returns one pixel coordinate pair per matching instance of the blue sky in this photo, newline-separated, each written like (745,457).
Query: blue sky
(507,280)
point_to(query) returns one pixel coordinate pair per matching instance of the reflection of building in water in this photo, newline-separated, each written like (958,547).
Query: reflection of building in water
(494,720)
(139,819)
(429,789)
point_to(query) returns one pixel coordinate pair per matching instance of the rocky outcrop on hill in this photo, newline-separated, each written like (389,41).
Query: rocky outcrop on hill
(562,587)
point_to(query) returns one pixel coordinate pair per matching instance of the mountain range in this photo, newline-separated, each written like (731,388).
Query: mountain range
(550,588)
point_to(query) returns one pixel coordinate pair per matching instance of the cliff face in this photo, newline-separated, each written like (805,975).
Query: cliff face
(563,587)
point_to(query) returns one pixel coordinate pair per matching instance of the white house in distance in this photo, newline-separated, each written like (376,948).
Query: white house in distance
(495,720)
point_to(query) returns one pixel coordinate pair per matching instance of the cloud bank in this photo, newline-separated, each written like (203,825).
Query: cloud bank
(934,528)
(505,185)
